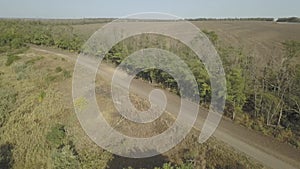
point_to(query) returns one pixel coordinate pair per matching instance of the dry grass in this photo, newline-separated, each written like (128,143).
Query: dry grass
(40,105)
(43,104)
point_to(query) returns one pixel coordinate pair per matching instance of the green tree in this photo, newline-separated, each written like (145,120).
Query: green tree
(235,89)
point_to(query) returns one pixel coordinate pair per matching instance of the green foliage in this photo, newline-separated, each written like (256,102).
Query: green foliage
(11,59)
(58,69)
(67,74)
(166,166)
(17,34)
(65,158)
(42,37)
(163,79)
(213,37)
(42,95)
(235,89)
(10,37)
(239,70)
(94,158)
(56,135)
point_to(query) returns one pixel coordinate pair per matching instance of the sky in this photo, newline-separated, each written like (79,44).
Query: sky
(120,8)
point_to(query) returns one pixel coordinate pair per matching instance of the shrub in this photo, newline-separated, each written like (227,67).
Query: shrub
(58,69)
(65,158)
(56,135)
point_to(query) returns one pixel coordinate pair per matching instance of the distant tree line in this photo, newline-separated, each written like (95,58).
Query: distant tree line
(231,19)
(290,19)
(57,22)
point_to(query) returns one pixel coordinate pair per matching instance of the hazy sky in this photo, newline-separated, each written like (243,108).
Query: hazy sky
(119,8)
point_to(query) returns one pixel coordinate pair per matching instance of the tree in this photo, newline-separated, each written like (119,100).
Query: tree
(235,88)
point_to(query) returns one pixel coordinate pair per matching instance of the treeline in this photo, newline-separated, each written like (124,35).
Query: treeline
(231,19)
(267,100)
(16,34)
(290,19)
(136,43)
(56,22)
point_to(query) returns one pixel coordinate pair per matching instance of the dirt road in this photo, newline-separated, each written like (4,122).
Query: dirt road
(266,150)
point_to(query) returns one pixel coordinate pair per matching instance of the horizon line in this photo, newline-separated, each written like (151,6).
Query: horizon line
(187,18)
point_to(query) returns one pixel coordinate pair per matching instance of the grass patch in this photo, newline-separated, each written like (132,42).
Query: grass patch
(42,95)
(20,68)
(8,99)
(50,78)
(67,74)
(32,61)
(11,59)
(21,71)
(80,104)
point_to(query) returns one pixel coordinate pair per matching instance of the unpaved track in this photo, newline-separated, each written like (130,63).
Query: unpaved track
(266,150)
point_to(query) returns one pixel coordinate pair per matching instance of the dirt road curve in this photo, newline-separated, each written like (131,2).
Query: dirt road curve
(265,150)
